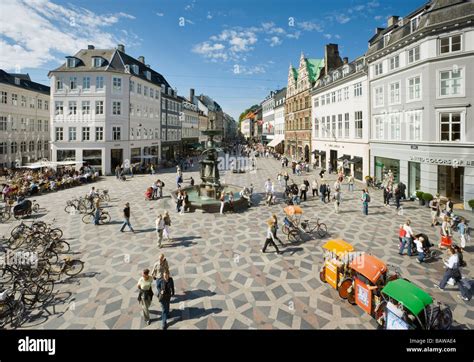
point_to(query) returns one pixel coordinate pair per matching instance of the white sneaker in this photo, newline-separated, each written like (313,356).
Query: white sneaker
(463,298)
(451,282)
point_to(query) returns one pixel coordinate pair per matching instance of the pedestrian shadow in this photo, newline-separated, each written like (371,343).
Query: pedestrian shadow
(184,243)
(188,313)
(469,248)
(115,222)
(139,231)
(291,250)
(192,294)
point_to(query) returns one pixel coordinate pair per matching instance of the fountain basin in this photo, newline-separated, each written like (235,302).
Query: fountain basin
(211,204)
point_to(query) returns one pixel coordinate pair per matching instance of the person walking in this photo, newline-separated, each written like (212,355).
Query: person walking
(435,208)
(462,232)
(452,269)
(449,207)
(126,217)
(160,185)
(419,249)
(117,172)
(398,196)
(97,211)
(275,229)
(351,183)
(365,201)
(154,186)
(165,287)
(145,294)
(152,170)
(386,196)
(160,267)
(286,177)
(179,201)
(322,192)
(303,190)
(337,201)
(314,187)
(222,200)
(280,179)
(160,227)
(270,238)
(328,192)
(407,239)
(167,221)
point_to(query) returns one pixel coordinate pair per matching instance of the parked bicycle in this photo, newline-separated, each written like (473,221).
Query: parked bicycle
(104,217)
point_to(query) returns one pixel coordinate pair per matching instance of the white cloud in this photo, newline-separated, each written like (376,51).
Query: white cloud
(209,15)
(337,36)
(310,26)
(328,36)
(160,14)
(295,35)
(249,70)
(342,19)
(38,32)
(190,6)
(378,17)
(274,41)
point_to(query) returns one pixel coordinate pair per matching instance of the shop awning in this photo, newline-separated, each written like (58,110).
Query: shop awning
(344,157)
(355,159)
(276,141)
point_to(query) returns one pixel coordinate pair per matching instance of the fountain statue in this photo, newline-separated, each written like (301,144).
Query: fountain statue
(206,195)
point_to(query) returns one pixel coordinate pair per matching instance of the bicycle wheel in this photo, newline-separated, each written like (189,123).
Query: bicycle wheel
(36,208)
(55,234)
(62,247)
(88,218)
(6,276)
(322,230)
(285,229)
(293,236)
(50,255)
(69,209)
(16,242)
(74,267)
(44,291)
(82,208)
(4,216)
(17,230)
(310,227)
(18,314)
(105,218)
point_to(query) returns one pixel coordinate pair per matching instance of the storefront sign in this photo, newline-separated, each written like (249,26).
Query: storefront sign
(443,161)
(414,147)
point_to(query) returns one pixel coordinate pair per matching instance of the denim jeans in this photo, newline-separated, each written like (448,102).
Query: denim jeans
(126,222)
(448,274)
(421,256)
(406,242)
(97,217)
(365,208)
(165,311)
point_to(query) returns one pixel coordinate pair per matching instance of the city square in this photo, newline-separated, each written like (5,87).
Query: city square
(222,279)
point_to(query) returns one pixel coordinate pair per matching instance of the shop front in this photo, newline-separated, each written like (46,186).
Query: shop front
(384,165)
(93,159)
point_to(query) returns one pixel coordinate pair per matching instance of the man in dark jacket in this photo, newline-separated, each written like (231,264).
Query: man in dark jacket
(165,288)
(126,218)
(322,192)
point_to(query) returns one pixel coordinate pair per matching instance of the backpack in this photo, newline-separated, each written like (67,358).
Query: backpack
(367,197)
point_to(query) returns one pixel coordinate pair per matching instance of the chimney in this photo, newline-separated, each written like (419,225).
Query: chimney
(392,20)
(378,30)
(345,60)
(141,59)
(121,47)
(191,95)
(90,47)
(332,59)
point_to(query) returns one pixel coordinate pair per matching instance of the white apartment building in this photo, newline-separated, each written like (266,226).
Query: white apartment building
(340,110)
(106,109)
(24,120)
(278,141)
(420,69)
(190,124)
(268,117)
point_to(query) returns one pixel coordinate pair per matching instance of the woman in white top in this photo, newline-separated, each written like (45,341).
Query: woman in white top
(446,227)
(314,187)
(145,294)
(452,269)
(160,226)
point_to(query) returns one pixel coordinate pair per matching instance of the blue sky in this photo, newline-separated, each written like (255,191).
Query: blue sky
(235,51)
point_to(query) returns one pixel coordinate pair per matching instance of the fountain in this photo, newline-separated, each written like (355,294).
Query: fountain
(206,195)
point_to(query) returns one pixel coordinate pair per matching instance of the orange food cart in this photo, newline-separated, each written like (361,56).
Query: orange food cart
(336,271)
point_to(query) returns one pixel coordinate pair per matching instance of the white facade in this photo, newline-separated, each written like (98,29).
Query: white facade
(105,118)
(422,119)
(268,117)
(190,121)
(340,109)
(246,128)
(24,125)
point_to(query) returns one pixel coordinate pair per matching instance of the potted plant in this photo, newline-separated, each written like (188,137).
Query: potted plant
(427,197)
(471,204)
(419,195)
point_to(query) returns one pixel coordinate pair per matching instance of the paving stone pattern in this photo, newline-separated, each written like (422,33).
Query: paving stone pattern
(222,279)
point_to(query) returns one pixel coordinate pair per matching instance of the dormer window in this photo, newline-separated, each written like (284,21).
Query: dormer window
(386,39)
(335,75)
(71,62)
(148,74)
(415,23)
(135,68)
(17,81)
(97,62)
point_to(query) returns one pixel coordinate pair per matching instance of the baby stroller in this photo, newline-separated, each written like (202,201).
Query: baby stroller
(149,193)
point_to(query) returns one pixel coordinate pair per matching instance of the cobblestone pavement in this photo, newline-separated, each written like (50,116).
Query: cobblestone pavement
(222,279)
